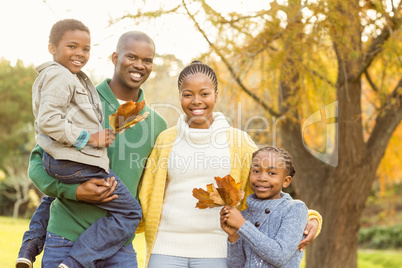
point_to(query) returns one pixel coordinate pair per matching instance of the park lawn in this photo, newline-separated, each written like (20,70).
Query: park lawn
(12,230)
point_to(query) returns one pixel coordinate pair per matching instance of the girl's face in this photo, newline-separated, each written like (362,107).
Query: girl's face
(73,50)
(268,175)
(198,98)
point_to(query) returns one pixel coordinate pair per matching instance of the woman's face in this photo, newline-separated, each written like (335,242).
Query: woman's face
(198,98)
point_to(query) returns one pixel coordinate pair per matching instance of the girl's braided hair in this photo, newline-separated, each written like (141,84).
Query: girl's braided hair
(198,67)
(283,154)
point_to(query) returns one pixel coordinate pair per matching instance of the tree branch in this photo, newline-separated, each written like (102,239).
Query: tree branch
(230,68)
(149,14)
(232,22)
(386,123)
(376,46)
(329,82)
(373,86)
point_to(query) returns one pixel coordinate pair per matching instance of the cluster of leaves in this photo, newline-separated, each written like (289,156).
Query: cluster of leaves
(127,116)
(227,193)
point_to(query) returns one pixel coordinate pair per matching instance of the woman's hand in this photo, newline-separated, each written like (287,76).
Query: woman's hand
(310,232)
(97,190)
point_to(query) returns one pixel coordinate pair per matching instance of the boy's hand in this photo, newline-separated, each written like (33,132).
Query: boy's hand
(103,138)
(97,191)
(309,231)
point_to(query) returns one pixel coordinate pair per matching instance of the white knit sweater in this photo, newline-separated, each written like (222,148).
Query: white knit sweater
(197,156)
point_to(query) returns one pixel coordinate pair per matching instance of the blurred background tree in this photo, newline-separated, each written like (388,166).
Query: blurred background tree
(17,136)
(329,74)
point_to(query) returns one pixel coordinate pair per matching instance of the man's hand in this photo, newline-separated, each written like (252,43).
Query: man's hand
(97,191)
(309,231)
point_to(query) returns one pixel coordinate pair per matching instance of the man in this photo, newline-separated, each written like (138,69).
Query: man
(70,213)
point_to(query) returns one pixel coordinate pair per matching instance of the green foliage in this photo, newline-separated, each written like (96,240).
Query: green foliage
(381,237)
(16,118)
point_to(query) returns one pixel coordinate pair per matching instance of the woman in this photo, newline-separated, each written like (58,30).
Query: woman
(202,146)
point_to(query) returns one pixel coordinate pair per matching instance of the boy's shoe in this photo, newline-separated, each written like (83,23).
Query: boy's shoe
(23,263)
(27,254)
(62,265)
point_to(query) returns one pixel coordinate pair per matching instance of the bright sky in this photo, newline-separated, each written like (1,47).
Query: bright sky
(25,27)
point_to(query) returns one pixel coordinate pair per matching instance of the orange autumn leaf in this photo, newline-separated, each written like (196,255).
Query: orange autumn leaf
(204,199)
(227,193)
(215,195)
(232,194)
(127,115)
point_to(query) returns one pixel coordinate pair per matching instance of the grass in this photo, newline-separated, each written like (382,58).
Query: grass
(12,230)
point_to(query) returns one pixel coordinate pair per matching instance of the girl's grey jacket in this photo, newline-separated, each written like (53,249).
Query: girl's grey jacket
(271,234)
(64,105)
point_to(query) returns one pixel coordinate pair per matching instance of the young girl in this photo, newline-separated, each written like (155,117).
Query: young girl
(202,146)
(269,231)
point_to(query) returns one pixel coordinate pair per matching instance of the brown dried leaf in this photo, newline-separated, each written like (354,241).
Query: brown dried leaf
(204,199)
(234,193)
(127,115)
(216,197)
(227,193)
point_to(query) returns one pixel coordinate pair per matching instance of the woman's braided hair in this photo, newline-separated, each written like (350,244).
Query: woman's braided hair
(283,154)
(197,67)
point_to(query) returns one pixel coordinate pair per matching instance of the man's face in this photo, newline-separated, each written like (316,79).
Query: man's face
(134,63)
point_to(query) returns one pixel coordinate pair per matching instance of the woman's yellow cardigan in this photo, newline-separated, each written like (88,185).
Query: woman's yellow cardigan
(153,183)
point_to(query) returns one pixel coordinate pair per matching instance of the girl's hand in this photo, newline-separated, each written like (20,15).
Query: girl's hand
(232,232)
(309,231)
(103,138)
(233,217)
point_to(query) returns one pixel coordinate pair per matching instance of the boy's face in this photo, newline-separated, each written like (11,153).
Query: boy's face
(73,50)
(268,175)
(133,63)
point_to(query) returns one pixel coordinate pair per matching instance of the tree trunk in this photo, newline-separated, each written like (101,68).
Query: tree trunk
(16,208)
(344,187)
(341,206)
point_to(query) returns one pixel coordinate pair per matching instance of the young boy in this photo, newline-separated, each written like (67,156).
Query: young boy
(269,231)
(68,127)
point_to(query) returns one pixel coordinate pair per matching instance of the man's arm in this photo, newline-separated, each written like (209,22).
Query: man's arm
(92,191)
(46,183)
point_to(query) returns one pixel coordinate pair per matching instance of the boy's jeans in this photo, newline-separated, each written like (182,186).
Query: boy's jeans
(38,224)
(57,249)
(107,235)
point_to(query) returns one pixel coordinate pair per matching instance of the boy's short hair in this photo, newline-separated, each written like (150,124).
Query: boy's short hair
(62,26)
